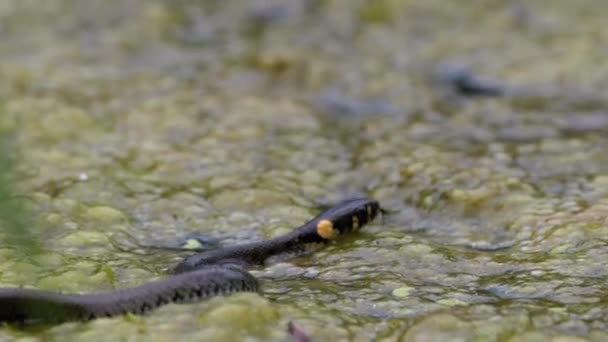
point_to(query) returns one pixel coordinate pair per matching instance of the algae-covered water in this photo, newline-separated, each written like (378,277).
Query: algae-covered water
(136,123)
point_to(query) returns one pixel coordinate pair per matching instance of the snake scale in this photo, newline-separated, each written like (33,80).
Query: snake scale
(201,276)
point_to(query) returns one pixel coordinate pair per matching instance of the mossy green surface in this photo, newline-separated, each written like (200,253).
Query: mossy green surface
(135,123)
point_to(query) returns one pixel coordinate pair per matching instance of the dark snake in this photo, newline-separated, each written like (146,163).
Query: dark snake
(201,276)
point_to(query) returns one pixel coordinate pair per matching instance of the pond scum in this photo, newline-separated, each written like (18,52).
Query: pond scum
(14,219)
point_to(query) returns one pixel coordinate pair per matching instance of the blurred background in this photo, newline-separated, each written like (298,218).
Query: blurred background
(480,125)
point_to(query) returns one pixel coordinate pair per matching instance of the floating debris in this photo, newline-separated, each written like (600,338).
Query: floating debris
(462,81)
(339,105)
(297,332)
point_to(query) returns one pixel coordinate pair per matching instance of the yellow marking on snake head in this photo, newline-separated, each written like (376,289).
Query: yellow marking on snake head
(355,222)
(325,228)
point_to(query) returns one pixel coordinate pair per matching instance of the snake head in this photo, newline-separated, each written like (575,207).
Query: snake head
(346,216)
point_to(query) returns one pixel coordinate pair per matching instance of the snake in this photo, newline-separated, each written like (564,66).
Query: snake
(217,272)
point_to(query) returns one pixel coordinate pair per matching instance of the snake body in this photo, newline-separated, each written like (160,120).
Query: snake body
(201,276)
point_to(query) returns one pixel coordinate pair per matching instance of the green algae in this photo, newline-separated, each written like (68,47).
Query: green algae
(402,291)
(15,222)
(136,123)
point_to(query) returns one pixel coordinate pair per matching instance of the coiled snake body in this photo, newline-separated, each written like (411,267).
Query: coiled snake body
(198,277)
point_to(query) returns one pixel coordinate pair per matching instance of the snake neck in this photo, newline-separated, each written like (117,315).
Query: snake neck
(347,216)
(293,244)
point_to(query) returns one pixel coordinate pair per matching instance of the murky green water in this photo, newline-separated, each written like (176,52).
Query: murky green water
(139,122)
